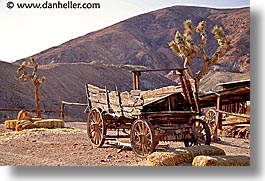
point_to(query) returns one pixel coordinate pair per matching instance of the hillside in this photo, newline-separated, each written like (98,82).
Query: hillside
(66,82)
(142,40)
(105,57)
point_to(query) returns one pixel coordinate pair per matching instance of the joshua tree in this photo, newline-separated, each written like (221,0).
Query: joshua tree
(184,47)
(34,79)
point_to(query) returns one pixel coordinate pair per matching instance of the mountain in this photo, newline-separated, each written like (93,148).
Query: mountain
(143,40)
(106,57)
(66,82)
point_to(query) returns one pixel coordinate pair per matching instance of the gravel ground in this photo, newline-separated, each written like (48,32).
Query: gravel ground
(70,147)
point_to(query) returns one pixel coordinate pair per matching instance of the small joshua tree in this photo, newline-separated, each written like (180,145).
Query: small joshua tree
(184,47)
(34,79)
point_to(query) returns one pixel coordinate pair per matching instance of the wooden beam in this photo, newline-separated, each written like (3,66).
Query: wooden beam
(234,114)
(159,70)
(62,111)
(75,104)
(136,80)
(218,115)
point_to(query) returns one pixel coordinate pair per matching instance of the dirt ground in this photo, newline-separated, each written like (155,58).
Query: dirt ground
(70,147)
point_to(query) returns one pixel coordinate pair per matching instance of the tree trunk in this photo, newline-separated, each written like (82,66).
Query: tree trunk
(37,100)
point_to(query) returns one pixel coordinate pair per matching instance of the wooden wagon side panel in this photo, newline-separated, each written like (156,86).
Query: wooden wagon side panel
(132,103)
(154,95)
(128,104)
(96,97)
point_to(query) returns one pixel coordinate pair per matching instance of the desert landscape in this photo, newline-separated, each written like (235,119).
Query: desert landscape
(106,60)
(70,147)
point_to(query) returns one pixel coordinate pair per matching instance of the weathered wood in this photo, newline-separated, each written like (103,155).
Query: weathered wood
(99,105)
(234,120)
(160,92)
(73,103)
(94,89)
(188,91)
(218,115)
(234,114)
(115,101)
(136,80)
(170,116)
(135,92)
(62,113)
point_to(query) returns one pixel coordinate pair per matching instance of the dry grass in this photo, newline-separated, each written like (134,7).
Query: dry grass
(221,161)
(172,157)
(49,123)
(27,124)
(29,132)
(24,124)
(168,158)
(204,150)
(10,124)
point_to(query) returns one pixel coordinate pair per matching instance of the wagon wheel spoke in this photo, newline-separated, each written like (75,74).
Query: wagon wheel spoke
(210,119)
(200,134)
(211,114)
(148,134)
(137,132)
(139,148)
(93,120)
(139,128)
(200,141)
(99,137)
(144,149)
(148,144)
(96,128)
(93,134)
(100,134)
(144,128)
(95,138)
(91,128)
(98,118)
(142,138)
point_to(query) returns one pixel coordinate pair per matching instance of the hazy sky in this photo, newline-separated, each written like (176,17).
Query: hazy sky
(24,32)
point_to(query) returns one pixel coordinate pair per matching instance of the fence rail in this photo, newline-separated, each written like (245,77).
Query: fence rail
(62,111)
(68,103)
(29,110)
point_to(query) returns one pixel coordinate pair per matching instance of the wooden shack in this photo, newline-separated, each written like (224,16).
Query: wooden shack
(233,99)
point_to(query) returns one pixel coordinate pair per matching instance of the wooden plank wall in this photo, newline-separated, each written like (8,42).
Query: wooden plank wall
(154,95)
(126,103)
(121,103)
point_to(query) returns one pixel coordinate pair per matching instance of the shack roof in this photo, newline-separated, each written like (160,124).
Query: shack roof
(235,84)
(228,96)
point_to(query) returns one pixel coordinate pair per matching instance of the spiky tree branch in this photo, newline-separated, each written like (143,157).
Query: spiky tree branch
(25,76)
(184,47)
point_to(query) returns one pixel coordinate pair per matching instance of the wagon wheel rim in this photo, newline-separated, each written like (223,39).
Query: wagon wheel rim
(210,117)
(95,128)
(143,140)
(200,134)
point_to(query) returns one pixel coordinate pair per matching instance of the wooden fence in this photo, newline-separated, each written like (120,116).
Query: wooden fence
(61,111)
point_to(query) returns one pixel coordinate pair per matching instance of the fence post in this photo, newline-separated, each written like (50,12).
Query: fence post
(62,111)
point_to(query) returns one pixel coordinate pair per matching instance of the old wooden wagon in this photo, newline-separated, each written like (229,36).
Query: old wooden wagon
(146,117)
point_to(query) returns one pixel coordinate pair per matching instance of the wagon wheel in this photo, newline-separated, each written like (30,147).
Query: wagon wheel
(96,128)
(210,118)
(143,139)
(200,134)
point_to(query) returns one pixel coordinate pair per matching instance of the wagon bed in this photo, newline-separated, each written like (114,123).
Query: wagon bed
(146,117)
